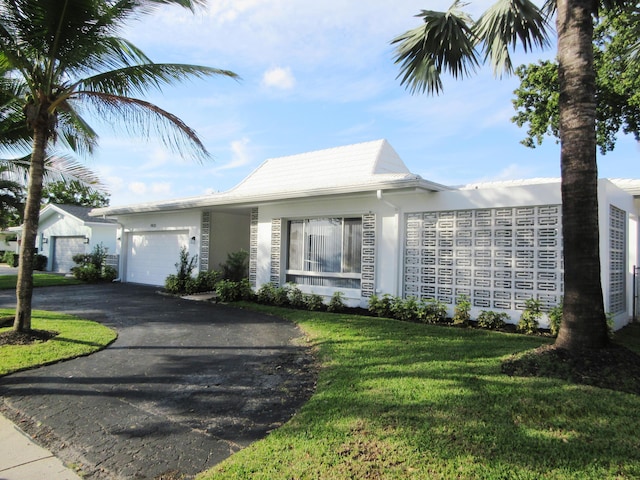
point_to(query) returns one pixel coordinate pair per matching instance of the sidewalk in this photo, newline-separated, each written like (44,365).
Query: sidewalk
(22,459)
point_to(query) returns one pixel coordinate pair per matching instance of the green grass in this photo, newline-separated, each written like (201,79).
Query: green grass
(75,338)
(39,280)
(401,400)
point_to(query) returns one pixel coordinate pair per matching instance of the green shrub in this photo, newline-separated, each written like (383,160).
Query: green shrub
(555,319)
(87,273)
(40,262)
(266,293)
(11,259)
(462,311)
(228,291)
(433,311)
(281,296)
(236,267)
(381,306)
(314,302)
(336,304)
(296,297)
(408,309)
(109,273)
(90,267)
(205,282)
(530,318)
(492,320)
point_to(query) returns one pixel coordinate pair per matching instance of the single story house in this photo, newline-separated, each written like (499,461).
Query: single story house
(67,230)
(354,219)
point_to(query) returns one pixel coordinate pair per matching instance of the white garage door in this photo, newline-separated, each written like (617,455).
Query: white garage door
(64,248)
(152,256)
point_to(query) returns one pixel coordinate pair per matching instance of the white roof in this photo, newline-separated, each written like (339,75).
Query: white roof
(359,164)
(342,170)
(629,185)
(508,183)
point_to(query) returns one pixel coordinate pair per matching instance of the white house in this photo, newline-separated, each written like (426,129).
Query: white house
(354,219)
(67,230)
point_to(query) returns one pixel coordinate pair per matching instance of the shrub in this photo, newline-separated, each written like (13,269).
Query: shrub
(228,291)
(11,259)
(40,262)
(381,306)
(296,297)
(109,273)
(236,267)
(555,319)
(492,320)
(281,296)
(204,282)
(336,304)
(408,309)
(313,302)
(529,320)
(266,293)
(87,273)
(90,267)
(434,311)
(462,311)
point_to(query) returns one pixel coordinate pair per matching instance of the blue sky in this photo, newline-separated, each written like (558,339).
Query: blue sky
(318,75)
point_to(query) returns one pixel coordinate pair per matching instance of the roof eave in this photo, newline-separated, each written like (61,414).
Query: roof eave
(245,200)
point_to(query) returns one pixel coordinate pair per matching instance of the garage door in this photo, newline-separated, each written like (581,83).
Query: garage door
(64,248)
(152,256)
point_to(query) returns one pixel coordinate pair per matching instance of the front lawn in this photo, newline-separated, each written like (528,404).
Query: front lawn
(75,337)
(399,400)
(39,280)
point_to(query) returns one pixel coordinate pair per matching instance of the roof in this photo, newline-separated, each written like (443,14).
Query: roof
(629,185)
(80,213)
(362,167)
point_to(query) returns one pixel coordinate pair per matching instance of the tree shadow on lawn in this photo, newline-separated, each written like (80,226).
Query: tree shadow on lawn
(442,401)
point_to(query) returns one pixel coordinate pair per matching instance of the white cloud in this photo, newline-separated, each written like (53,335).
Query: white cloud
(510,172)
(280,78)
(240,155)
(161,188)
(138,188)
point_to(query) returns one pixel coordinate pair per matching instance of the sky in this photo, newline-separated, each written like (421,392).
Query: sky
(318,75)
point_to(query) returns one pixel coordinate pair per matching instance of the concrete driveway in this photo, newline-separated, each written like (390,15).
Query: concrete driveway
(185,385)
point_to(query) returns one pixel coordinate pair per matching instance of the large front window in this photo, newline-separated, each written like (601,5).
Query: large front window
(325,252)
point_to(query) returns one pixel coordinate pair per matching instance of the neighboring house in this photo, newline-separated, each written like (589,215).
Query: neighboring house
(354,219)
(67,230)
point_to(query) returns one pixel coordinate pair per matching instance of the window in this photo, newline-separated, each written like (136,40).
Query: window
(325,252)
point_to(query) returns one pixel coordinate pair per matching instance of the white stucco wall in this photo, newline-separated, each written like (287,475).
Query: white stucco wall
(609,194)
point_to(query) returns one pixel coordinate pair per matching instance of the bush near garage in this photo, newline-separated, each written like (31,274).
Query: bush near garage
(91,267)
(12,259)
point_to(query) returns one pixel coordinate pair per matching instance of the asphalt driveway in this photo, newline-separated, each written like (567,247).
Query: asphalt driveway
(185,385)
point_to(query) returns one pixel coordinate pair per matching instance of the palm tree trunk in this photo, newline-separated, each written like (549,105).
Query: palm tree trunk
(583,321)
(24,287)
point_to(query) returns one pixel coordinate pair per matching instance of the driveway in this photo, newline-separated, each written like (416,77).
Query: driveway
(185,385)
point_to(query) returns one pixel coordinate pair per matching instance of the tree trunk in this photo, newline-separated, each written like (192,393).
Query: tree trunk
(583,321)
(24,287)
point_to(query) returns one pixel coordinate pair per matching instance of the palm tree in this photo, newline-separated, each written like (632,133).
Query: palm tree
(63,55)
(452,42)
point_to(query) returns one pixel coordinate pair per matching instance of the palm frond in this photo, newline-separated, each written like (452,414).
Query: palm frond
(139,79)
(445,43)
(506,24)
(58,168)
(144,118)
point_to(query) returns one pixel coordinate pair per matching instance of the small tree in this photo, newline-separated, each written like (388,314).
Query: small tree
(178,283)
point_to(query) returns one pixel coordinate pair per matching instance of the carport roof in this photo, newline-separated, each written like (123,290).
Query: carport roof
(362,167)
